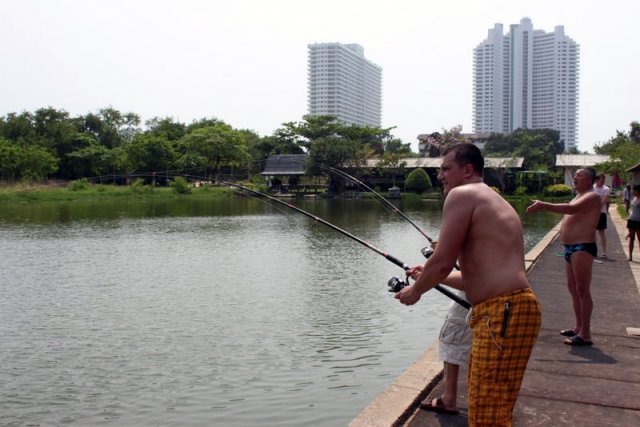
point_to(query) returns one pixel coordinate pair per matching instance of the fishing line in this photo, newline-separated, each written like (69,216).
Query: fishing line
(425,251)
(387,256)
(393,208)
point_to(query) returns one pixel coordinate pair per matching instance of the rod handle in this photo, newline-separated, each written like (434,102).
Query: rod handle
(397,262)
(454,297)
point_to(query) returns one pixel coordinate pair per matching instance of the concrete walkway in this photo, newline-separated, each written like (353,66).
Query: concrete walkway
(587,386)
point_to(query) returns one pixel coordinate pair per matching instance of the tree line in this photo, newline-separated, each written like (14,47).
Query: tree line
(51,144)
(623,149)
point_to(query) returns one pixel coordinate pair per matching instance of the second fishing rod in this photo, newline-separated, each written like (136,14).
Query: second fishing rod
(395,286)
(396,282)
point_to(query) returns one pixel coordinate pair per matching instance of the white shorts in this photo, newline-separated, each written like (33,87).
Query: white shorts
(455,335)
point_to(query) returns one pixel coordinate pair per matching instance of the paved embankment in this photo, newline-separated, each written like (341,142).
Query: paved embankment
(589,386)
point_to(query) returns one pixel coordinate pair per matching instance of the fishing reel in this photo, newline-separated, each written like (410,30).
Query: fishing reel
(396,284)
(427,252)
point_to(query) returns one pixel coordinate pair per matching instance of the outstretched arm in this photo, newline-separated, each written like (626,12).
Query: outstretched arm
(577,205)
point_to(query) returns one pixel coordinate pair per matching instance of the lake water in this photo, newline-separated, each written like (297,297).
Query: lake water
(226,312)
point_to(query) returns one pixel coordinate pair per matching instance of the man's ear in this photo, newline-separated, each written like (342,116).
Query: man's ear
(468,170)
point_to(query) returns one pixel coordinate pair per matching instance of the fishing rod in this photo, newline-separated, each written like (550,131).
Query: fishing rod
(380,196)
(394,286)
(427,252)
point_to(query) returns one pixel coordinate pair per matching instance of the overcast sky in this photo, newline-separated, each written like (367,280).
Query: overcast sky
(245,61)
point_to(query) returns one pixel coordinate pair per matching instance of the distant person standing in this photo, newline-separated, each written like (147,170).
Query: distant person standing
(626,195)
(577,233)
(633,223)
(604,192)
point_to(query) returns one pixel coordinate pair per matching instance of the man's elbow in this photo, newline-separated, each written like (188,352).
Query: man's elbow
(442,271)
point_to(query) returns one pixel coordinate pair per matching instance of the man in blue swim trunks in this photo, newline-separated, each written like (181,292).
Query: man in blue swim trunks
(578,234)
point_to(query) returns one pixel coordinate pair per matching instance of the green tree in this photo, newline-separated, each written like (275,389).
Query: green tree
(84,158)
(395,145)
(283,141)
(111,127)
(220,145)
(25,162)
(259,149)
(38,164)
(90,161)
(150,153)
(18,128)
(418,181)
(634,133)
(166,127)
(203,123)
(333,151)
(10,160)
(537,146)
(314,127)
(391,165)
(624,152)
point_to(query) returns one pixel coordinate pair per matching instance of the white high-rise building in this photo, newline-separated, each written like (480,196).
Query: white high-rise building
(343,83)
(526,79)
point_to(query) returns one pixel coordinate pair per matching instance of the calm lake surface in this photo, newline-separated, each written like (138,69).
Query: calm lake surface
(227,312)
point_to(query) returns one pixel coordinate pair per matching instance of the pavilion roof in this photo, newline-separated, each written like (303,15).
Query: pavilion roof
(580,160)
(286,164)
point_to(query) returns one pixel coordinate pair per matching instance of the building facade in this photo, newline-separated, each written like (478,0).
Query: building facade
(526,79)
(343,83)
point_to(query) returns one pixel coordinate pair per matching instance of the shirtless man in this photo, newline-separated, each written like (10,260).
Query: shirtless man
(578,234)
(484,233)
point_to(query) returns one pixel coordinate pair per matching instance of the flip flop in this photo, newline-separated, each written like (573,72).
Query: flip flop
(577,340)
(437,405)
(568,332)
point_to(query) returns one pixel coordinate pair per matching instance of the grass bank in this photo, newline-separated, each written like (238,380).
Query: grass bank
(77,190)
(25,193)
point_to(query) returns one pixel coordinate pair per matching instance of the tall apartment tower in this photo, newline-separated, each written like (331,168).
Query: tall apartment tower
(526,79)
(343,83)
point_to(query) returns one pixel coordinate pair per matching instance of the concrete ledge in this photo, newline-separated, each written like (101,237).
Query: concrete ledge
(397,402)
(532,256)
(400,400)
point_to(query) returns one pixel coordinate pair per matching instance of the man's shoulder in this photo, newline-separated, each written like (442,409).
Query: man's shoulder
(465,196)
(588,197)
(594,199)
(591,194)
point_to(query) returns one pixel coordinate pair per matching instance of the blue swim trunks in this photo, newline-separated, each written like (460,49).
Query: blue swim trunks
(590,248)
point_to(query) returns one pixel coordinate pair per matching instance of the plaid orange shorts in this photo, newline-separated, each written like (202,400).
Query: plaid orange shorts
(505,329)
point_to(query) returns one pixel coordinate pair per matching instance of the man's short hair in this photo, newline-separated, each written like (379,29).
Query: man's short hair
(600,175)
(590,173)
(466,153)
